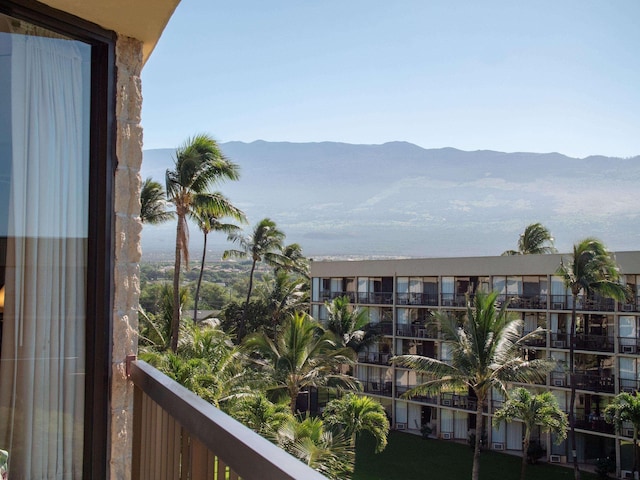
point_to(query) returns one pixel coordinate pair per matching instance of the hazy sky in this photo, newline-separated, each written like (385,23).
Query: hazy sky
(537,76)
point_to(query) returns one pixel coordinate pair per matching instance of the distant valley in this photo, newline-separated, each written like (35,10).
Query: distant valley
(398,199)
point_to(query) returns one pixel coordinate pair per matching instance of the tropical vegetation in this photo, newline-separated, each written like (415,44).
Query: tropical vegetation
(625,408)
(533,410)
(486,352)
(591,270)
(199,165)
(535,240)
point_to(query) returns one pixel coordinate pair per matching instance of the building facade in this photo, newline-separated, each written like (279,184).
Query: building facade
(401,295)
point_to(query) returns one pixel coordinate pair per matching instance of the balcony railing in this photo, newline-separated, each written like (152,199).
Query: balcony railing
(416,299)
(402,389)
(632,306)
(629,385)
(375,298)
(374,358)
(464,402)
(594,424)
(594,343)
(381,387)
(178,435)
(597,304)
(524,302)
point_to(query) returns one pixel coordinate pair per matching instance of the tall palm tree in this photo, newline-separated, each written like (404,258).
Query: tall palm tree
(303,355)
(486,346)
(208,218)
(264,244)
(358,413)
(292,260)
(590,270)
(260,414)
(536,239)
(533,410)
(153,203)
(199,164)
(625,407)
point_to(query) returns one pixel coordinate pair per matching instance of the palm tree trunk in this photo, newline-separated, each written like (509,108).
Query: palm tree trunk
(475,472)
(197,295)
(175,317)
(525,450)
(245,311)
(572,379)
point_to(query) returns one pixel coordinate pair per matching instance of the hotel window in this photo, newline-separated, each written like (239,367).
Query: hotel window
(49,212)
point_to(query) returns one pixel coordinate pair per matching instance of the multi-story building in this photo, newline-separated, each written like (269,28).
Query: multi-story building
(401,295)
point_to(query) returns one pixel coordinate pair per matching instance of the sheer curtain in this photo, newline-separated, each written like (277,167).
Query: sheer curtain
(42,355)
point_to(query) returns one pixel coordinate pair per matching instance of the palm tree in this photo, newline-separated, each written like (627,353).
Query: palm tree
(533,410)
(348,324)
(310,442)
(590,270)
(486,346)
(283,294)
(264,244)
(357,413)
(207,217)
(625,407)
(153,203)
(199,164)
(535,240)
(292,260)
(261,415)
(155,329)
(303,355)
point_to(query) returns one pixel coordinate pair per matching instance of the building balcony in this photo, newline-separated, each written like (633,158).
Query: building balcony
(178,435)
(416,331)
(374,358)
(376,387)
(629,345)
(524,302)
(629,385)
(586,304)
(464,402)
(375,298)
(588,342)
(402,389)
(417,299)
(594,424)
(632,306)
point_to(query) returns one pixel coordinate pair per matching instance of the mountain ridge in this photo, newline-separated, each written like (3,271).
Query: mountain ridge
(398,198)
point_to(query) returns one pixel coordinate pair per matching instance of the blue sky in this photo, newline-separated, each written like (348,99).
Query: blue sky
(511,76)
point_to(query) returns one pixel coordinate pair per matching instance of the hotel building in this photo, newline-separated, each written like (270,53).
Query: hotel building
(401,295)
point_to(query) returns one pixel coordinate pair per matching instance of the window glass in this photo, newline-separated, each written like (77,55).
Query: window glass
(44,166)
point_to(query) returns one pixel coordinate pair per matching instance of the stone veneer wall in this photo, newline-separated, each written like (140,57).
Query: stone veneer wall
(127,250)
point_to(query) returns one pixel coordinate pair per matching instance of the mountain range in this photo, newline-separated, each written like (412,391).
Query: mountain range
(400,200)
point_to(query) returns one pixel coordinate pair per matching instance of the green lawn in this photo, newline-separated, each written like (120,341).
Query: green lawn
(409,457)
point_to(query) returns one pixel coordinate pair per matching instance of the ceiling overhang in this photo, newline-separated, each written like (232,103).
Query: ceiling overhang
(140,19)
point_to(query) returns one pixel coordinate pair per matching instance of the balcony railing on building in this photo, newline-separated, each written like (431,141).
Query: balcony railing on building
(631,306)
(178,435)
(374,358)
(375,298)
(402,389)
(589,342)
(408,298)
(464,402)
(594,423)
(585,380)
(589,304)
(416,331)
(377,387)
(523,302)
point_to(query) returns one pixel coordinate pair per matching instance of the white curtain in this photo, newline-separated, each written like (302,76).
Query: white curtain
(514,436)
(446,421)
(42,362)
(461,422)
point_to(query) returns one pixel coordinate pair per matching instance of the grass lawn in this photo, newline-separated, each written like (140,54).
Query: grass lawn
(409,457)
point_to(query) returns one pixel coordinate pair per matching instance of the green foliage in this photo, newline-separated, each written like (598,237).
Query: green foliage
(353,414)
(199,164)
(261,415)
(535,240)
(486,346)
(320,448)
(206,362)
(533,410)
(625,407)
(347,322)
(605,466)
(153,203)
(302,355)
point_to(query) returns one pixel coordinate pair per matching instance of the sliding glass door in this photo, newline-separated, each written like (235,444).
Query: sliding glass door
(45,93)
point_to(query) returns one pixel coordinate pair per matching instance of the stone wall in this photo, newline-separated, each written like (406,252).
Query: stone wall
(127,250)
